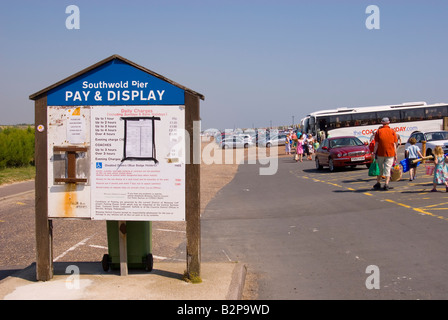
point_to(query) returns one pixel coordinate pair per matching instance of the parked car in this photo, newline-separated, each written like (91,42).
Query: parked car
(341,152)
(433,139)
(235,142)
(275,140)
(246,137)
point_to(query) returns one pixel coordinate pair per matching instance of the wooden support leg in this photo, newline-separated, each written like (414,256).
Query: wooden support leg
(123,248)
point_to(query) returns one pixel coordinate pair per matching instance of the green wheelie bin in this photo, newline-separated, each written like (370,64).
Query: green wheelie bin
(139,246)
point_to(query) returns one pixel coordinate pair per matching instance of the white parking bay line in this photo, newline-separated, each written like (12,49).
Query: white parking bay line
(97,246)
(168,230)
(81,243)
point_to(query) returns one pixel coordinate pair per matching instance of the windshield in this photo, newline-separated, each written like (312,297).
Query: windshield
(343,142)
(436,136)
(306,125)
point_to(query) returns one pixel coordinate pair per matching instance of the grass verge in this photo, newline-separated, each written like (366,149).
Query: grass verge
(10,175)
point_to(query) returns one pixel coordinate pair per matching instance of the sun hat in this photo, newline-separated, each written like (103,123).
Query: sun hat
(385,120)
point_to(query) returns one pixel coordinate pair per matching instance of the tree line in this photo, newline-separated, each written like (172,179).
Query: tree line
(16,147)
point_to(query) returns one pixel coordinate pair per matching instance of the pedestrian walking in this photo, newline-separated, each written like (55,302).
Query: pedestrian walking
(310,142)
(299,150)
(385,152)
(440,169)
(288,144)
(316,145)
(372,143)
(398,140)
(293,141)
(306,151)
(412,153)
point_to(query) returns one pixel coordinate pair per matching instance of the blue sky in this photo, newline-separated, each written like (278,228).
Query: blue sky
(255,61)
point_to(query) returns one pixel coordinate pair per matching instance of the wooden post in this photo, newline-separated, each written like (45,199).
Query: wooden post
(43,226)
(123,248)
(193,189)
(445,123)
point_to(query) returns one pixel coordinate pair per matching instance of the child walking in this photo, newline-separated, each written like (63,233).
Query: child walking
(440,170)
(412,152)
(299,150)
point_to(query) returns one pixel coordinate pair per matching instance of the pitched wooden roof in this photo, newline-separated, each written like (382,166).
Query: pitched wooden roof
(36,95)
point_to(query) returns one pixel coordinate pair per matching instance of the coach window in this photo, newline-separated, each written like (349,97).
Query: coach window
(334,122)
(394,116)
(435,112)
(364,119)
(346,120)
(412,114)
(340,121)
(323,123)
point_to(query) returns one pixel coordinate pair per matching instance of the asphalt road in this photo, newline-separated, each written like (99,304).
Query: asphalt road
(16,189)
(308,234)
(303,233)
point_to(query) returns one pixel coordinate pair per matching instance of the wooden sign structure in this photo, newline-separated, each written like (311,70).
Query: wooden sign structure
(81,143)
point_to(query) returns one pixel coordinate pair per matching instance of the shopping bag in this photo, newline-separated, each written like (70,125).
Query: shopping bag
(405,164)
(429,170)
(396,173)
(374,170)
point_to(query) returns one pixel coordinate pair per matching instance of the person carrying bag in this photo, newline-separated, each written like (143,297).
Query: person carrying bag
(385,152)
(374,169)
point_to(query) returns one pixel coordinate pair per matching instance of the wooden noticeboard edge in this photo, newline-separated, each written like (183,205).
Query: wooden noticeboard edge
(193,188)
(44,232)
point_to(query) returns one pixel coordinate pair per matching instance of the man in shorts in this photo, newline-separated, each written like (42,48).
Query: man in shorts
(385,151)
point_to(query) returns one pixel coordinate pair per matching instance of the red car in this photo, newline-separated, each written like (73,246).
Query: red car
(341,152)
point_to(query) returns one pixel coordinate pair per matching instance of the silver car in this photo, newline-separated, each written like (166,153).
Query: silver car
(235,142)
(433,139)
(276,140)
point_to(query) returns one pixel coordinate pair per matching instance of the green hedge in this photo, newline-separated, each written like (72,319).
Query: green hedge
(16,147)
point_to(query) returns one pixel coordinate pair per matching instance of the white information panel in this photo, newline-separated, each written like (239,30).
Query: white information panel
(67,127)
(138,163)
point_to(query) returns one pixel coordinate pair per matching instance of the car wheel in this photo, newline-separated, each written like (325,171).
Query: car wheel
(246,145)
(318,165)
(331,165)
(268,145)
(429,152)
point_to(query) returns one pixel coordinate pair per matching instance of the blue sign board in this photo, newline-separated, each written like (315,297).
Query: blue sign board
(116,83)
